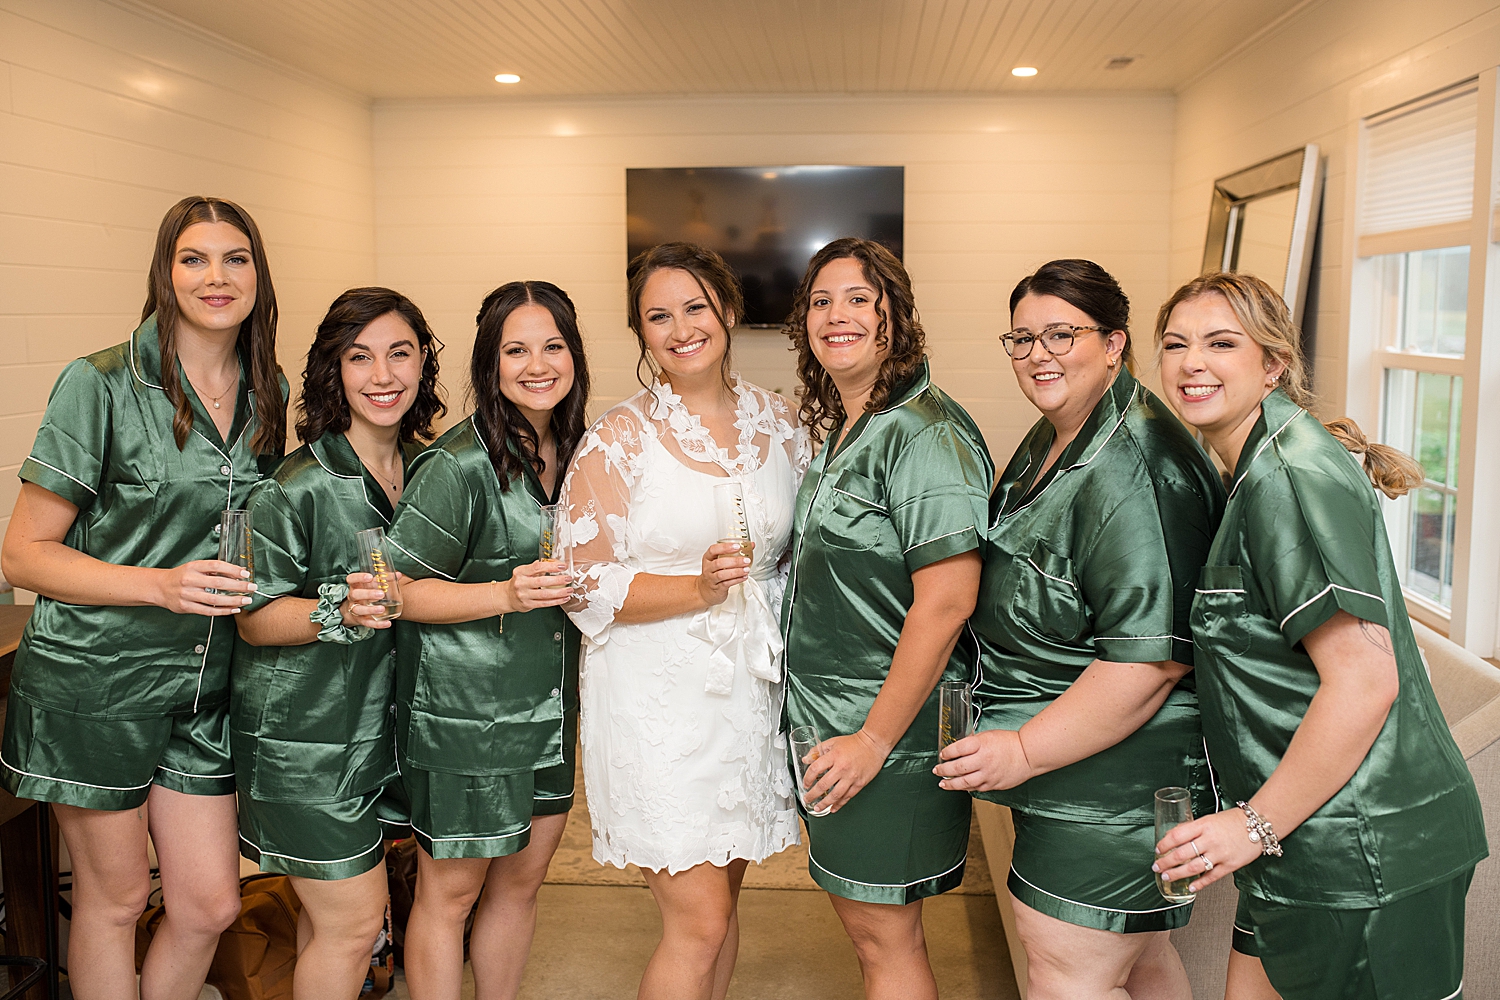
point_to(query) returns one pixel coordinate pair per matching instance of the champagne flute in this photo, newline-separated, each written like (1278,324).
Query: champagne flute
(234,542)
(734,523)
(556,543)
(1174,806)
(804,741)
(375,559)
(955,712)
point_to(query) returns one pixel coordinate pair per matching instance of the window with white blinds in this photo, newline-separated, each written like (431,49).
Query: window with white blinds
(1419,163)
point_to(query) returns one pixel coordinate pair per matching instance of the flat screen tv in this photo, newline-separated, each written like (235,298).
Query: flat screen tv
(766,221)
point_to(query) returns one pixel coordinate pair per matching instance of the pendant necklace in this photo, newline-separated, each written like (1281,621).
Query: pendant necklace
(224,393)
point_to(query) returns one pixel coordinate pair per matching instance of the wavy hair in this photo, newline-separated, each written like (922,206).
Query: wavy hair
(501,420)
(257,334)
(323,406)
(720,286)
(1265,318)
(821,406)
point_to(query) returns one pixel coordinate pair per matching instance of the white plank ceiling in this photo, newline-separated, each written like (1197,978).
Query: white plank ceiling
(454,48)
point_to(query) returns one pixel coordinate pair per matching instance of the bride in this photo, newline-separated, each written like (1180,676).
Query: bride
(681,670)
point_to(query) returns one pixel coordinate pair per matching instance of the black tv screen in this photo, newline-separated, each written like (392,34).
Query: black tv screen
(767,222)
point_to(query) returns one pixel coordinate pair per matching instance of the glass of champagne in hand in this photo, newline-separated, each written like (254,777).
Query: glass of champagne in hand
(955,712)
(375,559)
(234,542)
(557,540)
(1174,806)
(734,522)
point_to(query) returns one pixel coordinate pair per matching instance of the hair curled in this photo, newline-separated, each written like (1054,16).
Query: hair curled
(257,334)
(1086,287)
(821,406)
(1265,318)
(500,419)
(323,406)
(720,285)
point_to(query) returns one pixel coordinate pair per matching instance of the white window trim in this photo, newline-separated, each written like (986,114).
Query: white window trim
(1476,557)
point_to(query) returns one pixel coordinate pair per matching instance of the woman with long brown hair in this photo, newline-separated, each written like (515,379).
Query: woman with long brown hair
(487,661)
(681,652)
(1349,820)
(884,574)
(119,703)
(309,716)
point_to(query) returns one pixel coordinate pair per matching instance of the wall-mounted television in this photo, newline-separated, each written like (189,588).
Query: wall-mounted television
(766,221)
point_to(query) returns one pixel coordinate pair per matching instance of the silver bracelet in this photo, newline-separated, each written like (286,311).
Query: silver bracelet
(1260,831)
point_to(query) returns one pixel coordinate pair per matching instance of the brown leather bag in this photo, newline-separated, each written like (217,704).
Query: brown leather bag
(258,952)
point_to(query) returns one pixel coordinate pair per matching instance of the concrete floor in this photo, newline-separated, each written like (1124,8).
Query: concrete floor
(592,943)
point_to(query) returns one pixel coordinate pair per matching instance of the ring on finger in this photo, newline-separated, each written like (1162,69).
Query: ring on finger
(1208,865)
(1194,845)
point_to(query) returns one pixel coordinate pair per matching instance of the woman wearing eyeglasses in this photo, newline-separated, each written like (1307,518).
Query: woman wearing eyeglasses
(1098,528)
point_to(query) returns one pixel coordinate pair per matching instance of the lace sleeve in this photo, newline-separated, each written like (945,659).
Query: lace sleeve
(789,434)
(598,487)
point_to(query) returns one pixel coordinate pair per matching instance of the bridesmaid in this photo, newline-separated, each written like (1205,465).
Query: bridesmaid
(119,702)
(487,706)
(1099,525)
(1350,821)
(311,697)
(884,574)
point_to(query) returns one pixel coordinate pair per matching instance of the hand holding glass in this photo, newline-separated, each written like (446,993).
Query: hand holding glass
(235,544)
(1174,806)
(375,559)
(734,522)
(955,712)
(557,540)
(805,743)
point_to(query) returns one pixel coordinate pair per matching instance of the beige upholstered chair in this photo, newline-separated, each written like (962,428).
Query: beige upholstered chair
(1468,689)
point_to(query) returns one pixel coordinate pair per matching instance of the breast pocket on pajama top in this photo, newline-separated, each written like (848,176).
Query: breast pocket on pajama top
(1220,618)
(1047,600)
(855,515)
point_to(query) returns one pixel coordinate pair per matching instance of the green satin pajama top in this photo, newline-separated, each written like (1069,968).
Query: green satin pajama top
(106,446)
(1097,561)
(477,698)
(907,487)
(313,723)
(1302,537)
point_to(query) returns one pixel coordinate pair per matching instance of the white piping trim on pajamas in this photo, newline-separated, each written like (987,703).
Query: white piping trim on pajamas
(1133,638)
(1319,595)
(363,492)
(1124,412)
(1243,930)
(1049,576)
(1225,591)
(1104,909)
(80,482)
(552,797)
(188,774)
(444,840)
(1456,992)
(309,861)
(67,781)
(1263,446)
(939,538)
(889,885)
(415,557)
(867,503)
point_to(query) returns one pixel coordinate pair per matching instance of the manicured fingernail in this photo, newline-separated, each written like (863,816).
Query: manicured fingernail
(244,574)
(1155,867)
(1163,876)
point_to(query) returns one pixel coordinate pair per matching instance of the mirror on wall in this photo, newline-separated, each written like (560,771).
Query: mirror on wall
(1262,222)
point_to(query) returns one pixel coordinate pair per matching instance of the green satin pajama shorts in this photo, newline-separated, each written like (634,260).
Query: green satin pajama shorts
(111,764)
(1411,949)
(327,841)
(901,839)
(1091,874)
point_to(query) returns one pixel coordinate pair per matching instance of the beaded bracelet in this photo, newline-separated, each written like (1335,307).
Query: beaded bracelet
(1260,831)
(328,615)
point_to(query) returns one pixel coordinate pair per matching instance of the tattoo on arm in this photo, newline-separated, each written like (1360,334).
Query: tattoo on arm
(1377,636)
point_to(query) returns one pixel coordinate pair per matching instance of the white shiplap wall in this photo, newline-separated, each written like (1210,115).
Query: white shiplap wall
(1309,80)
(108,115)
(472,194)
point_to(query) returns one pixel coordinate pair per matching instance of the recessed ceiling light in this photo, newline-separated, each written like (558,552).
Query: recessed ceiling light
(507,78)
(1023,71)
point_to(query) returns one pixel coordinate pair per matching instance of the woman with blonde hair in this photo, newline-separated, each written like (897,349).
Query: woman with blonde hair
(1317,713)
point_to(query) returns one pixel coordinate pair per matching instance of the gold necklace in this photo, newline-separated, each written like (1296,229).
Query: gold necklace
(225,392)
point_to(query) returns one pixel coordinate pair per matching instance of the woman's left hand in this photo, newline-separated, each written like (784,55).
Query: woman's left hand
(984,762)
(1220,840)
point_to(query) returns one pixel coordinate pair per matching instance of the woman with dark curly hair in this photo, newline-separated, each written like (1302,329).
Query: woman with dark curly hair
(487,666)
(884,574)
(310,721)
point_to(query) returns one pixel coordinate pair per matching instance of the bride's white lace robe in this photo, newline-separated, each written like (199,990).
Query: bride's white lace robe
(681,757)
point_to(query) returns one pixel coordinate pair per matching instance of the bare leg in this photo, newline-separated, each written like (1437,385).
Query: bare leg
(696,910)
(1068,962)
(197,839)
(724,968)
(1247,979)
(891,948)
(506,921)
(434,950)
(342,918)
(111,880)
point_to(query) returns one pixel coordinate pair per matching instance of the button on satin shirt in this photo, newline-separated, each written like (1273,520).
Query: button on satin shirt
(473,698)
(313,723)
(907,487)
(106,446)
(1097,561)
(1303,536)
